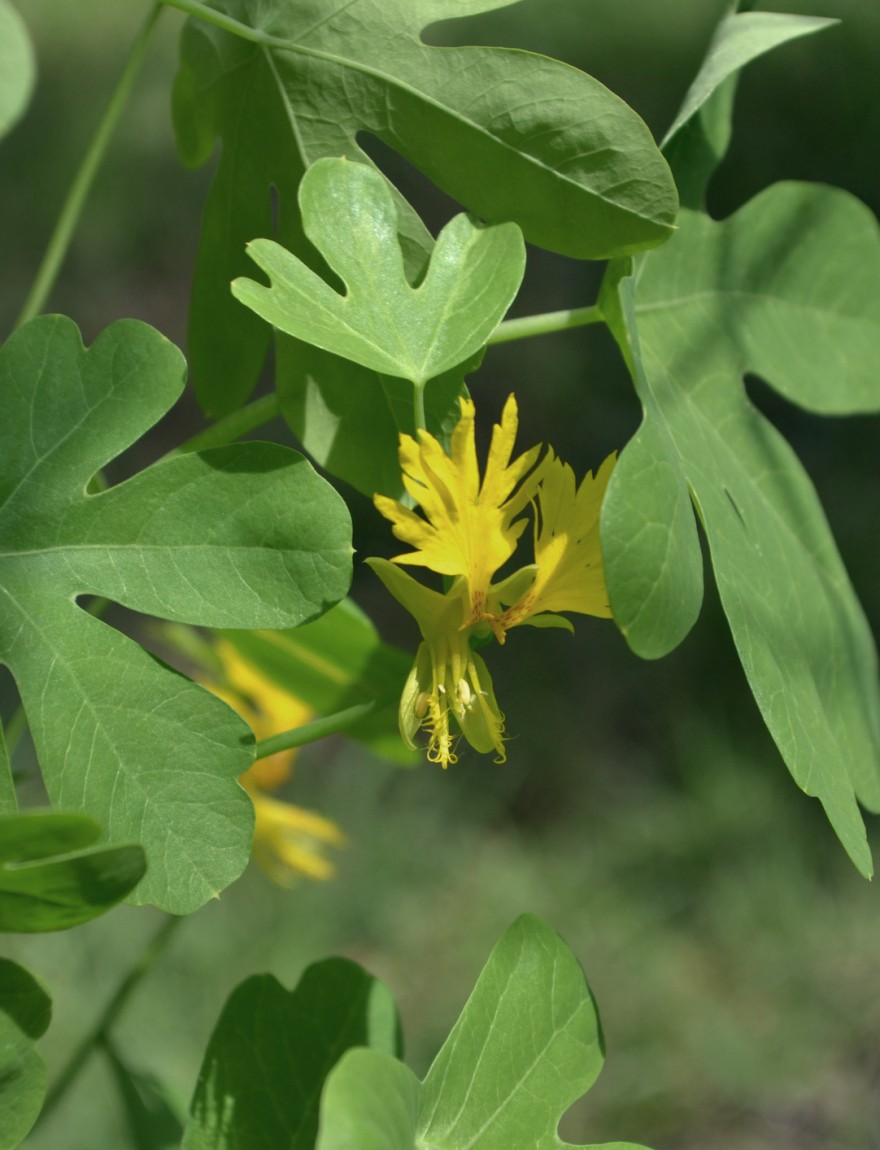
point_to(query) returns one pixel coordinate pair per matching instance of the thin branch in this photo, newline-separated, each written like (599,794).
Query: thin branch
(319,728)
(551,321)
(232,426)
(111,1012)
(227,23)
(67,222)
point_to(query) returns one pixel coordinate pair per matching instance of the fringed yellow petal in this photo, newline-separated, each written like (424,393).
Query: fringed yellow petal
(274,815)
(277,709)
(463,450)
(265,707)
(290,841)
(501,475)
(468,528)
(568,554)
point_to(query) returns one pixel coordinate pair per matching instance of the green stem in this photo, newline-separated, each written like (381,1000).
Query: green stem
(419,406)
(319,729)
(546,324)
(232,426)
(227,23)
(111,1012)
(65,228)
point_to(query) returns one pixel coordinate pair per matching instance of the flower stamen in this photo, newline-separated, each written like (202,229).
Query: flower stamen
(466,528)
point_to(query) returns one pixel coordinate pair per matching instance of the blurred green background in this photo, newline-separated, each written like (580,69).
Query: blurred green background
(643,811)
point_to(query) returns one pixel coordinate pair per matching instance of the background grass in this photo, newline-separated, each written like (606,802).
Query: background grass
(643,812)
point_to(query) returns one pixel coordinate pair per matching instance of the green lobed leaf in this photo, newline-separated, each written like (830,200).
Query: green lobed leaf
(371,1101)
(527,1044)
(382,322)
(573,165)
(25,1011)
(40,891)
(650,546)
(788,288)
(699,136)
(338,661)
(241,536)
(272,1049)
(17,67)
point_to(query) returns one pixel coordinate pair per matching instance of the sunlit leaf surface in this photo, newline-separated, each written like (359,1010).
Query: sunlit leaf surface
(527,1045)
(272,1049)
(241,536)
(381,321)
(788,288)
(572,164)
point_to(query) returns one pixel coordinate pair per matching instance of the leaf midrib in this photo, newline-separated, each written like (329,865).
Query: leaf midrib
(74,548)
(268,43)
(343,311)
(831,583)
(722,447)
(122,763)
(405,86)
(724,294)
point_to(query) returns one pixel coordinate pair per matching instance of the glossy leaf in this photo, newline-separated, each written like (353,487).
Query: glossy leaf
(40,891)
(272,1049)
(244,536)
(17,67)
(527,1044)
(336,662)
(381,321)
(698,139)
(788,288)
(576,168)
(25,1011)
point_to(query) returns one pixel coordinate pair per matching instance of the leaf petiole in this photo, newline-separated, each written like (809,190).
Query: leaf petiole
(319,728)
(227,23)
(545,324)
(419,406)
(232,426)
(268,407)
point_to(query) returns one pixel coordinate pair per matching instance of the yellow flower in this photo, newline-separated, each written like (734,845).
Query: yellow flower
(288,840)
(468,531)
(470,528)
